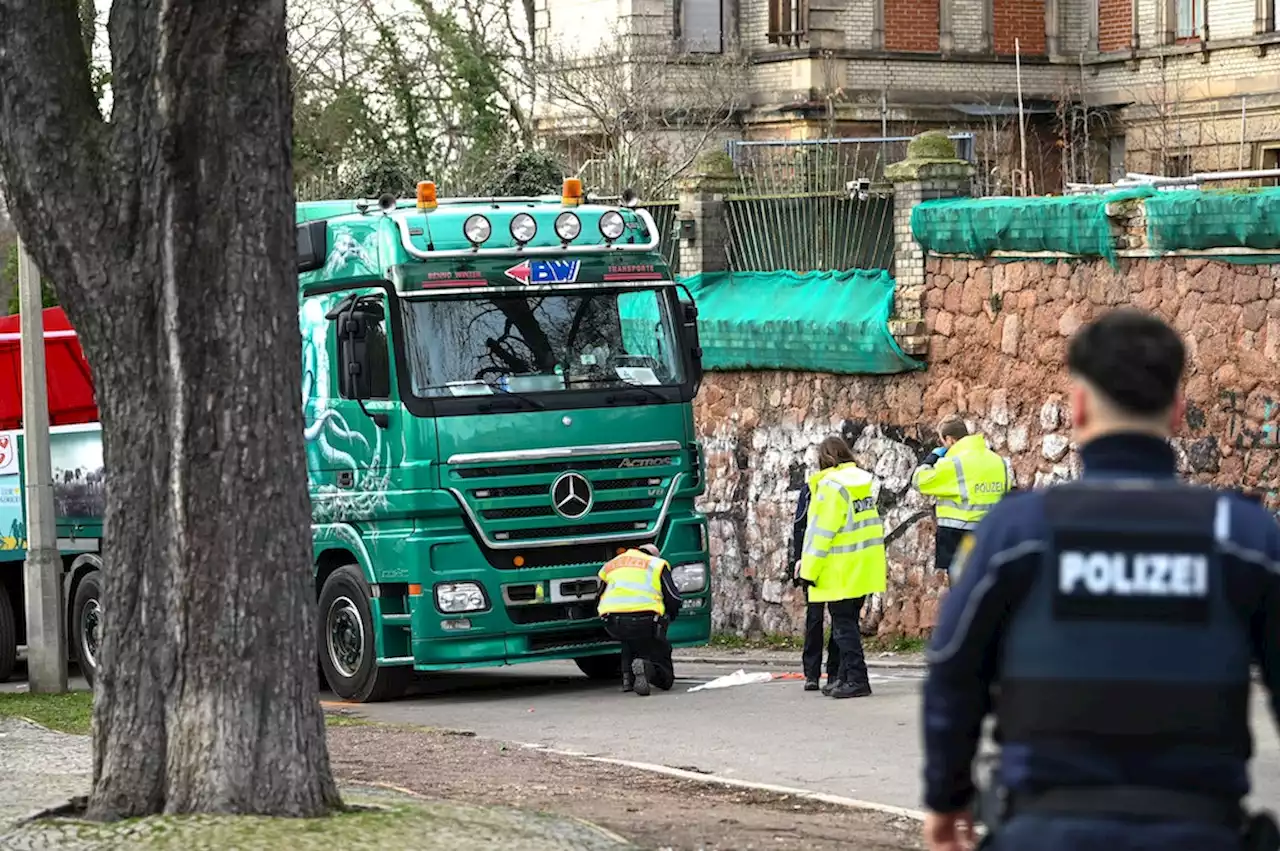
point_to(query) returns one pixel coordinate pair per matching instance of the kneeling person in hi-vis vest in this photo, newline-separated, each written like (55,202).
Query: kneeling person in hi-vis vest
(967,479)
(638,601)
(843,562)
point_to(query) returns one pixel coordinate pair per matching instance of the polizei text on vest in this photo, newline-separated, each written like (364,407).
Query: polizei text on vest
(1137,574)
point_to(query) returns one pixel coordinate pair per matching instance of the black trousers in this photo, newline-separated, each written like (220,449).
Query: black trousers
(811,655)
(946,545)
(844,629)
(643,636)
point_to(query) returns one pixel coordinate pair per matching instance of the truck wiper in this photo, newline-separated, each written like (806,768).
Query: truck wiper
(486,407)
(629,394)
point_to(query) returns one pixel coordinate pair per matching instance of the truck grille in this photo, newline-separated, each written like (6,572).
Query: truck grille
(547,511)
(510,502)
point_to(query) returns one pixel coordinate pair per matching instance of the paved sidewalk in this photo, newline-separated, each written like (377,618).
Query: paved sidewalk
(40,769)
(785,659)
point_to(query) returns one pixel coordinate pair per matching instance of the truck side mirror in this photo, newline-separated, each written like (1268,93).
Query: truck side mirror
(690,311)
(313,245)
(353,323)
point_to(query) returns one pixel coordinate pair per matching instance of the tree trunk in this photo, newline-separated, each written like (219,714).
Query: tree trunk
(169,233)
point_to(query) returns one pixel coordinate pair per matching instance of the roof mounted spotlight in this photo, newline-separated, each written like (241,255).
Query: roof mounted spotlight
(477,230)
(612,225)
(523,228)
(568,227)
(386,202)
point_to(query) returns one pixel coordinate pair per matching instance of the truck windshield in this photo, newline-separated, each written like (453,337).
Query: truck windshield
(543,342)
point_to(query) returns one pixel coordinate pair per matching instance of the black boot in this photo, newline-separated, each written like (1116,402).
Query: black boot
(831,686)
(628,681)
(810,685)
(843,690)
(640,672)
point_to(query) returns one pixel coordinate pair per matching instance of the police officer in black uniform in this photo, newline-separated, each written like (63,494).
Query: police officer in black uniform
(1109,624)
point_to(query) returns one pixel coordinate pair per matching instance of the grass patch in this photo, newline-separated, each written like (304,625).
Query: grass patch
(899,644)
(73,712)
(383,825)
(781,641)
(767,641)
(66,713)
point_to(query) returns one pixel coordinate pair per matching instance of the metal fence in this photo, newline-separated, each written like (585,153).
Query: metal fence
(664,216)
(815,204)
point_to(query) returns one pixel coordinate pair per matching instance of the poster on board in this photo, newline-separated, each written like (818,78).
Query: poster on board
(79,488)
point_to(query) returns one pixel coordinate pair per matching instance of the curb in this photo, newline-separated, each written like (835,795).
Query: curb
(777,663)
(717,780)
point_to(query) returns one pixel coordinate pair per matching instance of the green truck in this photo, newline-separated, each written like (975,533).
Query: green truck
(498,399)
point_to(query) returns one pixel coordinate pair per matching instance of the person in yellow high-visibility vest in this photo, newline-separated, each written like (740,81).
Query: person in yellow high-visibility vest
(843,562)
(639,599)
(966,478)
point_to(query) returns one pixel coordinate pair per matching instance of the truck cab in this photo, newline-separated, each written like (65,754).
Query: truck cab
(498,399)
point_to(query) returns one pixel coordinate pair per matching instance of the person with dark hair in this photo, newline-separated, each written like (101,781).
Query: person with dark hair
(1116,618)
(842,559)
(967,479)
(832,452)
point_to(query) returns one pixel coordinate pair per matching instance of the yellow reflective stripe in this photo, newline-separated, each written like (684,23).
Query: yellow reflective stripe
(967,506)
(877,541)
(633,586)
(957,524)
(961,485)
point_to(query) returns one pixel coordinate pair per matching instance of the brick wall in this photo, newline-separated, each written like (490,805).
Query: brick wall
(999,335)
(911,25)
(1019,20)
(1115,25)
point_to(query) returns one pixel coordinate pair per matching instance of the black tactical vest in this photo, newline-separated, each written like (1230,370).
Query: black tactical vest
(1126,636)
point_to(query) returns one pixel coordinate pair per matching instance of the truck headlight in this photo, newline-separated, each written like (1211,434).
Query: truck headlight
(690,578)
(460,597)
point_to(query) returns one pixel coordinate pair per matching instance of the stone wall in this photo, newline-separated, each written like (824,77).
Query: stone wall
(998,340)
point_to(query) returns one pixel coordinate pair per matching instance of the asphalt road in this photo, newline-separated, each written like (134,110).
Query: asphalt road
(773,732)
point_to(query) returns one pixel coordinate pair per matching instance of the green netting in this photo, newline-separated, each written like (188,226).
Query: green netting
(813,321)
(1191,220)
(1075,224)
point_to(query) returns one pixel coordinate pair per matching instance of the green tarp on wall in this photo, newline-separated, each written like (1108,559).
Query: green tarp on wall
(815,322)
(1194,220)
(1075,224)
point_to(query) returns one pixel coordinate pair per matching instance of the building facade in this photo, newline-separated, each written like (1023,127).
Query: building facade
(1107,86)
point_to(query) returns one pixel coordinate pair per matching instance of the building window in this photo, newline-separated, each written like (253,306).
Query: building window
(699,25)
(1188,19)
(1264,16)
(1177,165)
(1268,157)
(1115,154)
(788,22)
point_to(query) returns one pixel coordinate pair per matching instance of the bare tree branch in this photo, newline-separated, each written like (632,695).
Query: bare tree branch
(68,155)
(642,112)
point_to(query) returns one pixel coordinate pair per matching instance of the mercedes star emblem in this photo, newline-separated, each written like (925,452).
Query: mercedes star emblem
(571,496)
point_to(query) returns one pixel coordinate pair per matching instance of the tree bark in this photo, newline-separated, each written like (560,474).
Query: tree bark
(169,233)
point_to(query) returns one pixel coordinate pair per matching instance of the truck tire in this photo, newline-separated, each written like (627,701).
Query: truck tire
(8,636)
(86,624)
(348,653)
(601,667)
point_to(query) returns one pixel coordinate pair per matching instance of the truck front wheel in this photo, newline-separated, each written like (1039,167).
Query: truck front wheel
(348,653)
(86,623)
(8,636)
(601,667)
